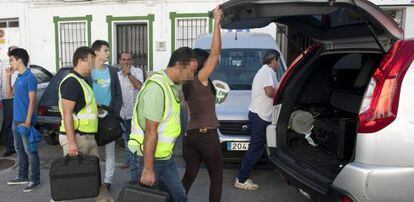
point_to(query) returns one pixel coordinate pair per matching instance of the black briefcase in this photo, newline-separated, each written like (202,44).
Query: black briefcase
(136,192)
(75,177)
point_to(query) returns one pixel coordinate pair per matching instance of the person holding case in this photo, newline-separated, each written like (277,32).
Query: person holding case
(156,125)
(202,142)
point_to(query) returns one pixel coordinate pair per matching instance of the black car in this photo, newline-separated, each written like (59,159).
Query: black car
(48,109)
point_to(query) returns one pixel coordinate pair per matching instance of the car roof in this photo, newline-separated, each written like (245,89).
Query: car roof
(237,40)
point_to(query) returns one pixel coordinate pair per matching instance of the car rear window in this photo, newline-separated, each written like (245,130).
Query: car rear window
(51,96)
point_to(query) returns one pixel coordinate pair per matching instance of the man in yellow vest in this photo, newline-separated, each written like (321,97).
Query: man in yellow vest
(156,125)
(78,108)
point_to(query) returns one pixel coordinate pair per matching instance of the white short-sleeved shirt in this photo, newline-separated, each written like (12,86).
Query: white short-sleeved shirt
(3,67)
(260,102)
(129,93)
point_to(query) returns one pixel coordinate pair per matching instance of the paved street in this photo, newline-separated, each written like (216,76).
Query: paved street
(272,188)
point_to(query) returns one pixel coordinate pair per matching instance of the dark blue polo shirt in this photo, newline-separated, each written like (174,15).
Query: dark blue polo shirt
(25,83)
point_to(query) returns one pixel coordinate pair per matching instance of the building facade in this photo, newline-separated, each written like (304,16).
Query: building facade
(51,30)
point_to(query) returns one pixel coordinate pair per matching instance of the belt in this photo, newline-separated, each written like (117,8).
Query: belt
(78,132)
(202,130)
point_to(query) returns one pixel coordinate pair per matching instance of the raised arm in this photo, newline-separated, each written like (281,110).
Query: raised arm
(212,60)
(9,87)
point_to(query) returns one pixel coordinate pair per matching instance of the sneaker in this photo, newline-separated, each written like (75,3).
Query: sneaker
(31,186)
(248,185)
(8,153)
(17,181)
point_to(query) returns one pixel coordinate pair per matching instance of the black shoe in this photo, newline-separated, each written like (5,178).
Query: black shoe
(107,185)
(17,181)
(31,186)
(8,153)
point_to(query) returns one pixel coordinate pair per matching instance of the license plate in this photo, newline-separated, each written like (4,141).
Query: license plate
(237,146)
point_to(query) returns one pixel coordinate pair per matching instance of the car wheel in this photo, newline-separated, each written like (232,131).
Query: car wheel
(52,139)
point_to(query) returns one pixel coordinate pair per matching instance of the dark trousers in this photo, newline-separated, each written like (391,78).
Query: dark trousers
(6,129)
(166,175)
(204,148)
(128,154)
(256,146)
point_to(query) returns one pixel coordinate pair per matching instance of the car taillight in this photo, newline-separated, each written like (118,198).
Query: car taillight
(380,105)
(41,111)
(55,126)
(346,199)
(290,70)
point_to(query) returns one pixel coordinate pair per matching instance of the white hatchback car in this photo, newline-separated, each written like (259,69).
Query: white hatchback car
(343,113)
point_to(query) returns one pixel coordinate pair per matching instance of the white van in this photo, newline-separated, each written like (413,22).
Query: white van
(241,57)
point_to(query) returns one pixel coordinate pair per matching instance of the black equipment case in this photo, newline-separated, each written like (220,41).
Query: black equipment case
(136,192)
(75,177)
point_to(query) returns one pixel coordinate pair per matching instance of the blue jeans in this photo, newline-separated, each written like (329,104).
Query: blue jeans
(128,153)
(256,146)
(166,175)
(6,129)
(28,161)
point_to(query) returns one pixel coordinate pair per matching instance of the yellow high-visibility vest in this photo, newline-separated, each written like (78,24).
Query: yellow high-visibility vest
(86,120)
(169,128)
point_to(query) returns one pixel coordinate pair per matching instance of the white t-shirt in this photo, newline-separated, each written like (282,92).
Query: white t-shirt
(129,93)
(260,102)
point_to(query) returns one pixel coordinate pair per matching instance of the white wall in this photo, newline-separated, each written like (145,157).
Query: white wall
(7,11)
(409,22)
(38,34)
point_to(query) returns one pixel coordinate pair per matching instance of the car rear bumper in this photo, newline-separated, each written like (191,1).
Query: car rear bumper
(308,187)
(48,120)
(376,183)
(357,181)
(48,124)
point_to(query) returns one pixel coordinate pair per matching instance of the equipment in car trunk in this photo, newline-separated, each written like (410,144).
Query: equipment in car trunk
(75,177)
(109,126)
(336,135)
(302,122)
(136,192)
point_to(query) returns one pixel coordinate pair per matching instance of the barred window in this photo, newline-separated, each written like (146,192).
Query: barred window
(187,30)
(134,39)
(71,36)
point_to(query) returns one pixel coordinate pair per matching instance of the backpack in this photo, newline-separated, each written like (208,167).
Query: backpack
(110,126)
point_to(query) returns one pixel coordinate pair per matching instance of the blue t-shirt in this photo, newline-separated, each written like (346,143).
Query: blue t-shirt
(25,83)
(102,86)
